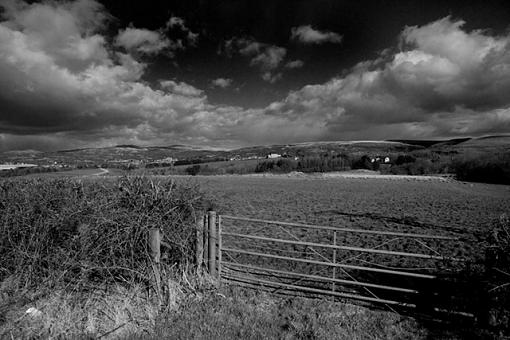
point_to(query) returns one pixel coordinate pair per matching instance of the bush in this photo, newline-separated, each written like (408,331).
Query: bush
(64,231)
(193,170)
(488,169)
(402,159)
(363,163)
(498,275)
(306,164)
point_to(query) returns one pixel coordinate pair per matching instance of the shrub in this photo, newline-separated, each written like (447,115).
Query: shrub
(193,170)
(306,164)
(402,159)
(363,163)
(64,231)
(498,275)
(488,169)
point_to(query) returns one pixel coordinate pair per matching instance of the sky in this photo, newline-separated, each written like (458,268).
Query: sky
(233,73)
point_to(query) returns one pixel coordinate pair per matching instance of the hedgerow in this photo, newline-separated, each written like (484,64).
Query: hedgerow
(66,232)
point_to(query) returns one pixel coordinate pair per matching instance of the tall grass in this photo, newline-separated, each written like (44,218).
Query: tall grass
(498,275)
(66,232)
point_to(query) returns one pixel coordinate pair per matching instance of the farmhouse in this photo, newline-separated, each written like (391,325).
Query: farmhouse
(380,159)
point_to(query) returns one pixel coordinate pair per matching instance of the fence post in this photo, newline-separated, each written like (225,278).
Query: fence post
(334,259)
(219,249)
(205,242)
(155,247)
(212,243)
(200,241)
(155,244)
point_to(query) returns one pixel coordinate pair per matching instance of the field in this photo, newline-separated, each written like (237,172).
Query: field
(432,207)
(442,204)
(422,205)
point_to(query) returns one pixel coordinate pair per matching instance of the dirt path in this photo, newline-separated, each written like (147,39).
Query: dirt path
(103,172)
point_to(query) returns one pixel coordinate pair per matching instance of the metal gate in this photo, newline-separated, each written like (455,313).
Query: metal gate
(400,270)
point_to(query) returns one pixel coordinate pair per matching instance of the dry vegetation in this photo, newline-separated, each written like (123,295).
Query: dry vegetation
(76,250)
(79,249)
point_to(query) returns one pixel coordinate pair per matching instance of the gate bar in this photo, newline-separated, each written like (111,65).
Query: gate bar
(347,266)
(318,277)
(351,230)
(363,250)
(319,291)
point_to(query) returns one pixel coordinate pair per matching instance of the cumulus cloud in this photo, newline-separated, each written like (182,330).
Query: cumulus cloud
(61,92)
(271,78)
(69,88)
(181,88)
(264,56)
(153,42)
(269,58)
(143,40)
(177,22)
(306,34)
(294,64)
(445,81)
(222,82)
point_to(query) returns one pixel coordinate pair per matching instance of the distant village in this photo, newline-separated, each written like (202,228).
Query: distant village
(48,164)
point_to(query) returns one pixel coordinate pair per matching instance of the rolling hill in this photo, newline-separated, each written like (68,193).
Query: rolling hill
(135,153)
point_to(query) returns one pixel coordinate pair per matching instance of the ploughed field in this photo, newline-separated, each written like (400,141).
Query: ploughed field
(445,208)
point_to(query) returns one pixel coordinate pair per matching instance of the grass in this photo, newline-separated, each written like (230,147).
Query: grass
(70,232)
(236,313)
(75,249)
(199,311)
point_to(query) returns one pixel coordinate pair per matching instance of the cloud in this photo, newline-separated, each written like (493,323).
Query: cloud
(308,35)
(222,82)
(143,40)
(177,22)
(294,64)
(264,56)
(153,42)
(269,58)
(271,78)
(73,87)
(443,82)
(181,88)
(58,91)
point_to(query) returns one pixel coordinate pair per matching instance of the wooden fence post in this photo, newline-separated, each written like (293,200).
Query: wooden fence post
(219,249)
(334,260)
(200,241)
(155,244)
(205,242)
(212,243)
(155,247)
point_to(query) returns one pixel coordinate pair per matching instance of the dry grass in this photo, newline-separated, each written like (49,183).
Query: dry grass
(236,313)
(76,251)
(117,312)
(64,232)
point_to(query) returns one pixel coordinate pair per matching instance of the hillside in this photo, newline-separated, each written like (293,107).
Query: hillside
(134,153)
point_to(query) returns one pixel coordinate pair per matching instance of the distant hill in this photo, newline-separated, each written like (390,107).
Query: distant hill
(130,152)
(489,141)
(429,143)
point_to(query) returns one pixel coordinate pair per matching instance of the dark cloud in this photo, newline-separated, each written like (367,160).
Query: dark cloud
(65,83)
(264,56)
